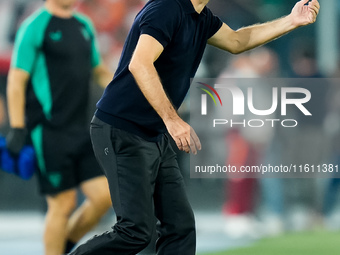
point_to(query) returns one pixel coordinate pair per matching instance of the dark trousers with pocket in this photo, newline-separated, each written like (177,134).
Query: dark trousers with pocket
(145,181)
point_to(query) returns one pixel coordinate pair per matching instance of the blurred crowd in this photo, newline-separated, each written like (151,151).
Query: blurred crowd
(270,206)
(252,207)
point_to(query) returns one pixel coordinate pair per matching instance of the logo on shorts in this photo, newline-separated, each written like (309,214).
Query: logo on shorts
(55,179)
(106,151)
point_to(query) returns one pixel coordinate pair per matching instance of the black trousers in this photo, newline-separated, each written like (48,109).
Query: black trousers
(144,180)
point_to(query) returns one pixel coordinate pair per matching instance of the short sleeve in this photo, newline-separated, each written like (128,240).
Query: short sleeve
(160,20)
(25,48)
(215,23)
(95,53)
(28,40)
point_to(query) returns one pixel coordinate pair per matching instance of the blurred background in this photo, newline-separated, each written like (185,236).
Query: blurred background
(236,216)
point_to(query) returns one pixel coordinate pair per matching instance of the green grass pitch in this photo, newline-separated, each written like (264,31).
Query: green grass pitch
(311,243)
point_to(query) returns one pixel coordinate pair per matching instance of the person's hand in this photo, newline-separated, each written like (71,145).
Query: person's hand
(304,12)
(184,135)
(15,140)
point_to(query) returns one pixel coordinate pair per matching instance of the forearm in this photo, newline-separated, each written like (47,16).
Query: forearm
(16,97)
(149,83)
(253,36)
(250,37)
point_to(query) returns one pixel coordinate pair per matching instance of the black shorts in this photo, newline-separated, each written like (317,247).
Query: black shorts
(65,158)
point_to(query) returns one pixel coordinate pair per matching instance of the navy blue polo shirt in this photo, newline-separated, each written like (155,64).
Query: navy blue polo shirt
(184,34)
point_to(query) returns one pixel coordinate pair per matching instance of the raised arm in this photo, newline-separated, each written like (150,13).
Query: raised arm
(142,68)
(250,37)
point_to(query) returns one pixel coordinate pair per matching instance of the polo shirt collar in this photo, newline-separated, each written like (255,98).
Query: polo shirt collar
(187,6)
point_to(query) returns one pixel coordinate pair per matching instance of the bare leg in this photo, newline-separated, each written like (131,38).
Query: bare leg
(59,210)
(97,203)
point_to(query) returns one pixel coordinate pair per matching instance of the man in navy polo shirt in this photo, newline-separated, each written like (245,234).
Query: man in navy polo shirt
(161,54)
